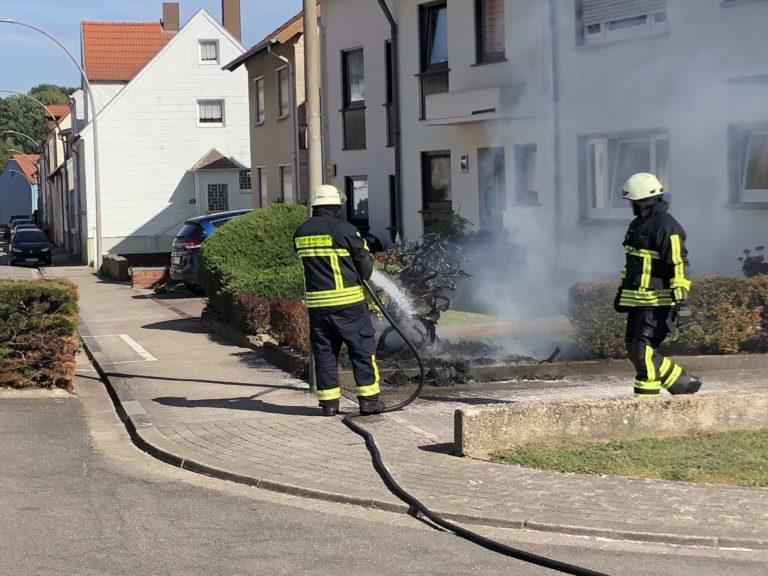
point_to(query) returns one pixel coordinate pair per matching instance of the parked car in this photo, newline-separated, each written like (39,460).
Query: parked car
(22,225)
(29,245)
(7,229)
(185,249)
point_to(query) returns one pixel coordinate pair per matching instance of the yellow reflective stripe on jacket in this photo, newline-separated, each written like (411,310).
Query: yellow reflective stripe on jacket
(330,394)
(645,279)
(322,252)
(636,298)
(678,280)
(341,297)
(642,252)
(623,273)
(319,241)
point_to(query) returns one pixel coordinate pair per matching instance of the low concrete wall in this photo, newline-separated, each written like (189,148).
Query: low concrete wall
(480,430)
(116,267)
(148,277)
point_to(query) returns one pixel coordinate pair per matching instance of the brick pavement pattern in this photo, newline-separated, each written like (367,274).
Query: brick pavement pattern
(207,405)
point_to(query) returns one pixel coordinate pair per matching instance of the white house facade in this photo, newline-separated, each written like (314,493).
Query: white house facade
(643,87)
(153,135)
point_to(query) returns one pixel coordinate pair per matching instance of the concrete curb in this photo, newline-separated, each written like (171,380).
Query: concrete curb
(148,439)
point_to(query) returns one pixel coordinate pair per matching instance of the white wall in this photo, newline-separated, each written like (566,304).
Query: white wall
(349,24)
(679,81)
(526,66)
(149,139)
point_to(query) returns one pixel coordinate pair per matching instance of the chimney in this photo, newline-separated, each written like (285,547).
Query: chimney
(170,21)
(230,17)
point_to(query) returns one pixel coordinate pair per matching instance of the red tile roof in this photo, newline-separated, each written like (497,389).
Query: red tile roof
(28,165)
(58,110)
(117,51)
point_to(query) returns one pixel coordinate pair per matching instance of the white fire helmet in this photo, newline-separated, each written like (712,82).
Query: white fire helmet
(641,186)
(327,195)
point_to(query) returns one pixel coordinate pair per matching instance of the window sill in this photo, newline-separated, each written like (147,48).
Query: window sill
(489,61)
(283,117)
(259,123)
(208,62)
(725,4)
(747,205)
(210,125)
(624,40)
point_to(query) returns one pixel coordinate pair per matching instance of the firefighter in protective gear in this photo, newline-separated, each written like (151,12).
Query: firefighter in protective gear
(336,260)
(654,288)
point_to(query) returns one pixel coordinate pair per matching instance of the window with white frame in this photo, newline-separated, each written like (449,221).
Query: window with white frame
(604,20)
(610,160)
(285,173)
(245,179)
(218,197)
(209,51)
(258,100)
(261,186)
(283,95)
(210,112)
(749,153)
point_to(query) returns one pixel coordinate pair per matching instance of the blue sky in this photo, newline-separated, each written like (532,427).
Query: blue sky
(29,58)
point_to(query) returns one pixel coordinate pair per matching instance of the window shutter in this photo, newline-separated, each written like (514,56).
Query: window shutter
(597,11)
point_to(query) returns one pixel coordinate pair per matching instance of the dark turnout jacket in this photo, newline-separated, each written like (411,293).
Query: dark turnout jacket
(335,259)
(655,273)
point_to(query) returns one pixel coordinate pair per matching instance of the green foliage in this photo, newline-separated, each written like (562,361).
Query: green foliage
(739,458)
(730,315)
(38,327)
(254,253)
(450,226)
(289,322)
(598,328)
(26,116)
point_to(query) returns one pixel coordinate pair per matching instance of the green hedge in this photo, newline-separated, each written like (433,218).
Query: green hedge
(730,315)
(254,253)
(38,333)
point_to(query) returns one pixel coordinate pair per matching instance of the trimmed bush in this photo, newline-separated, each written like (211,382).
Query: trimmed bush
(254,253)
(290,324)
(38,333)
(250,313)
(730,315)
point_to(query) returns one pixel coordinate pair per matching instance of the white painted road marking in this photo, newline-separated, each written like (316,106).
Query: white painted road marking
(137,347)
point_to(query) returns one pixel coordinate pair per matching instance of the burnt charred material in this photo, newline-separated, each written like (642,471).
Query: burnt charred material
(429,271)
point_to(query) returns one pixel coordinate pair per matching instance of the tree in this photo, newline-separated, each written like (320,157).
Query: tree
(26,116)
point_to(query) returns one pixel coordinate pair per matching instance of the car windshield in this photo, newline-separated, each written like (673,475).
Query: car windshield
(29,236)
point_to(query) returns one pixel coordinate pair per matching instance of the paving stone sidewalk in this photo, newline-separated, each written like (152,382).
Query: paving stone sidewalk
(201,403)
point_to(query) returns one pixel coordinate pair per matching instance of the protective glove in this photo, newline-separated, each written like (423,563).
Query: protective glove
(617,303)
(681,314)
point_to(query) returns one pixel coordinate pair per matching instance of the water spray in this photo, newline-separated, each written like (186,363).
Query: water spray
(415,507)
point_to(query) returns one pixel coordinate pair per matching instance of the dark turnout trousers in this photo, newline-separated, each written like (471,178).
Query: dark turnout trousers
(328,331)
(646,330)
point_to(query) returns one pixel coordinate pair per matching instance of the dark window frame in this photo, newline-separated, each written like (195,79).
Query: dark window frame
(349,185)
(433,77)
(352,111)
(426,181)
(483,56)
(279,92)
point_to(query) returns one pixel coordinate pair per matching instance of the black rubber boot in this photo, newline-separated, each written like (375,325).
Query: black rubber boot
(686,385)
(330,407)
(370,405)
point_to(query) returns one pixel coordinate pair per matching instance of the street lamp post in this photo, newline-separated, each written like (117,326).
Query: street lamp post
(96,175)
(47,110)
(27,136)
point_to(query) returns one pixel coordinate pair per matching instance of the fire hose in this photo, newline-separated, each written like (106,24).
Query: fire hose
(415,507)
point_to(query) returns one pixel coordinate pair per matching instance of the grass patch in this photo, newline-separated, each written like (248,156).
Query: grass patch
(459,318)
(737,458)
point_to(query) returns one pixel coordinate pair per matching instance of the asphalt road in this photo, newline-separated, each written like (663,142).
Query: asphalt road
(79,499)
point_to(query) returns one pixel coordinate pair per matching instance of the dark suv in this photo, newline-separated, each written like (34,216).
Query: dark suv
(185,249)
